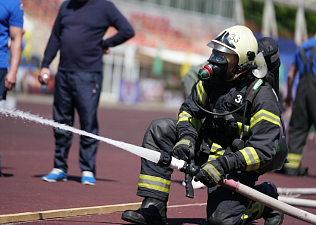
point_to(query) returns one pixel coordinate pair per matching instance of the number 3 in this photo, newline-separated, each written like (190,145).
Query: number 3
(238,99)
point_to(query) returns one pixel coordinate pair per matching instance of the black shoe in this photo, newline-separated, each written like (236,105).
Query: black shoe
(301,171)
(152,211)
(274,218)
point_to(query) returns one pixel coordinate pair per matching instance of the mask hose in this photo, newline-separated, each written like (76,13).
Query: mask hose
(193,92)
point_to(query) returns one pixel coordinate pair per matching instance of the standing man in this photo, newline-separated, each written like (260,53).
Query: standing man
(11,27)
(304,107)
(78,31)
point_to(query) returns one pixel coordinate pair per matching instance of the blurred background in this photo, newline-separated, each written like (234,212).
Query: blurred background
(171,36)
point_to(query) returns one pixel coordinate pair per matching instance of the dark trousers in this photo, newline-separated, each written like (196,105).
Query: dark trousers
(81,91)
(3,93)
(302,118)
(223,206)
(160,136)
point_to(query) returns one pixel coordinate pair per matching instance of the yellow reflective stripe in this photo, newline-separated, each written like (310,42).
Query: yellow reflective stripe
(217,149)
(196,123)
(185,116)
(218,152)
(154,183)
(216,145)
(152,178)
(182,142)
(213,172)
(202,94)
(257,207)
(247,213)
(154,187)
(246,131)
(212,157)
(264,115)
(251,158)
(294,160)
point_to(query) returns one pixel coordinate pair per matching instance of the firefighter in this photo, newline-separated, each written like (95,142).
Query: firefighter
(238,138)
(304,107)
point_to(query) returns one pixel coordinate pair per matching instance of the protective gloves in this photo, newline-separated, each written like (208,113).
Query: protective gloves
(181,150)
(212,172)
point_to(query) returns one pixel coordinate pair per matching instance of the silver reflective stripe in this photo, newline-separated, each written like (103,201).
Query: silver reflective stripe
(183,142)
(155,183)
(212,171)
(217,149)
(252,159)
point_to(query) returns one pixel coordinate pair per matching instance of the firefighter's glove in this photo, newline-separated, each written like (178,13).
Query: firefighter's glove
(212,172)
(182,148)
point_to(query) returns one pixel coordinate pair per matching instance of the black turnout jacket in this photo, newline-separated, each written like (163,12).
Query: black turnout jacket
(261,129)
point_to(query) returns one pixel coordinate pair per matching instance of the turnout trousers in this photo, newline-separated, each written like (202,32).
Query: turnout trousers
(81,91)
(223,205)
(302,118)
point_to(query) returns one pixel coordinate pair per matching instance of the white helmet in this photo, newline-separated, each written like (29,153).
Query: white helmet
(237,40)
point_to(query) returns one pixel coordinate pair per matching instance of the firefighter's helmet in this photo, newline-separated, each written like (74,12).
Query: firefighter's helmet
(237,40)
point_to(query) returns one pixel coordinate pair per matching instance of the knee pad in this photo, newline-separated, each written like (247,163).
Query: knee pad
(268,188)
(160,127)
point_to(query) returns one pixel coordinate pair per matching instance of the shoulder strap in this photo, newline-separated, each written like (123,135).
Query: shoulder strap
(304,58)
(253,89)
(311,60)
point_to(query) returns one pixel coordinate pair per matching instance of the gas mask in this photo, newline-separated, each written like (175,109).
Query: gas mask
(216,69)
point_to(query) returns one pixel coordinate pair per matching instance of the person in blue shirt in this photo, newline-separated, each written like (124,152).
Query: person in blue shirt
(11,30)
(11,27)
(78,33)
(304,107)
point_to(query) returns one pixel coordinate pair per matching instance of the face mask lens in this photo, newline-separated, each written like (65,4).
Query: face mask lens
(217,58)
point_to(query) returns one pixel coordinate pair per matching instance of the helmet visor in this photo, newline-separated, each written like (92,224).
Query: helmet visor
(220,48)
(217,58)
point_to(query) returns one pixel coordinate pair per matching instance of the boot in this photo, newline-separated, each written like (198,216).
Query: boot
(152,211)
(301,171)
(273,218)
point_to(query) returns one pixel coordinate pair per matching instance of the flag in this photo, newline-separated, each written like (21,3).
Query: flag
(158,64)
(185,67)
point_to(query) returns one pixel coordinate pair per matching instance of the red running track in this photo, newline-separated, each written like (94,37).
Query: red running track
(27,151)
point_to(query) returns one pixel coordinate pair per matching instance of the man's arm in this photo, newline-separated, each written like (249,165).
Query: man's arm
(51,50)
(125,30)
(290,80)
(16,34)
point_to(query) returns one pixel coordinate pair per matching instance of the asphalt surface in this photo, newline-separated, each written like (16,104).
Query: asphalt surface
(27,150)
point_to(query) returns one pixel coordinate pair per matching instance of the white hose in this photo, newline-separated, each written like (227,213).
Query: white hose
(276,204)
(177,163)
(298,201)
(293,191)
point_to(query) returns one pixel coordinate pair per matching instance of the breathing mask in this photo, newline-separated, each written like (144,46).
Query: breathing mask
(221,67)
